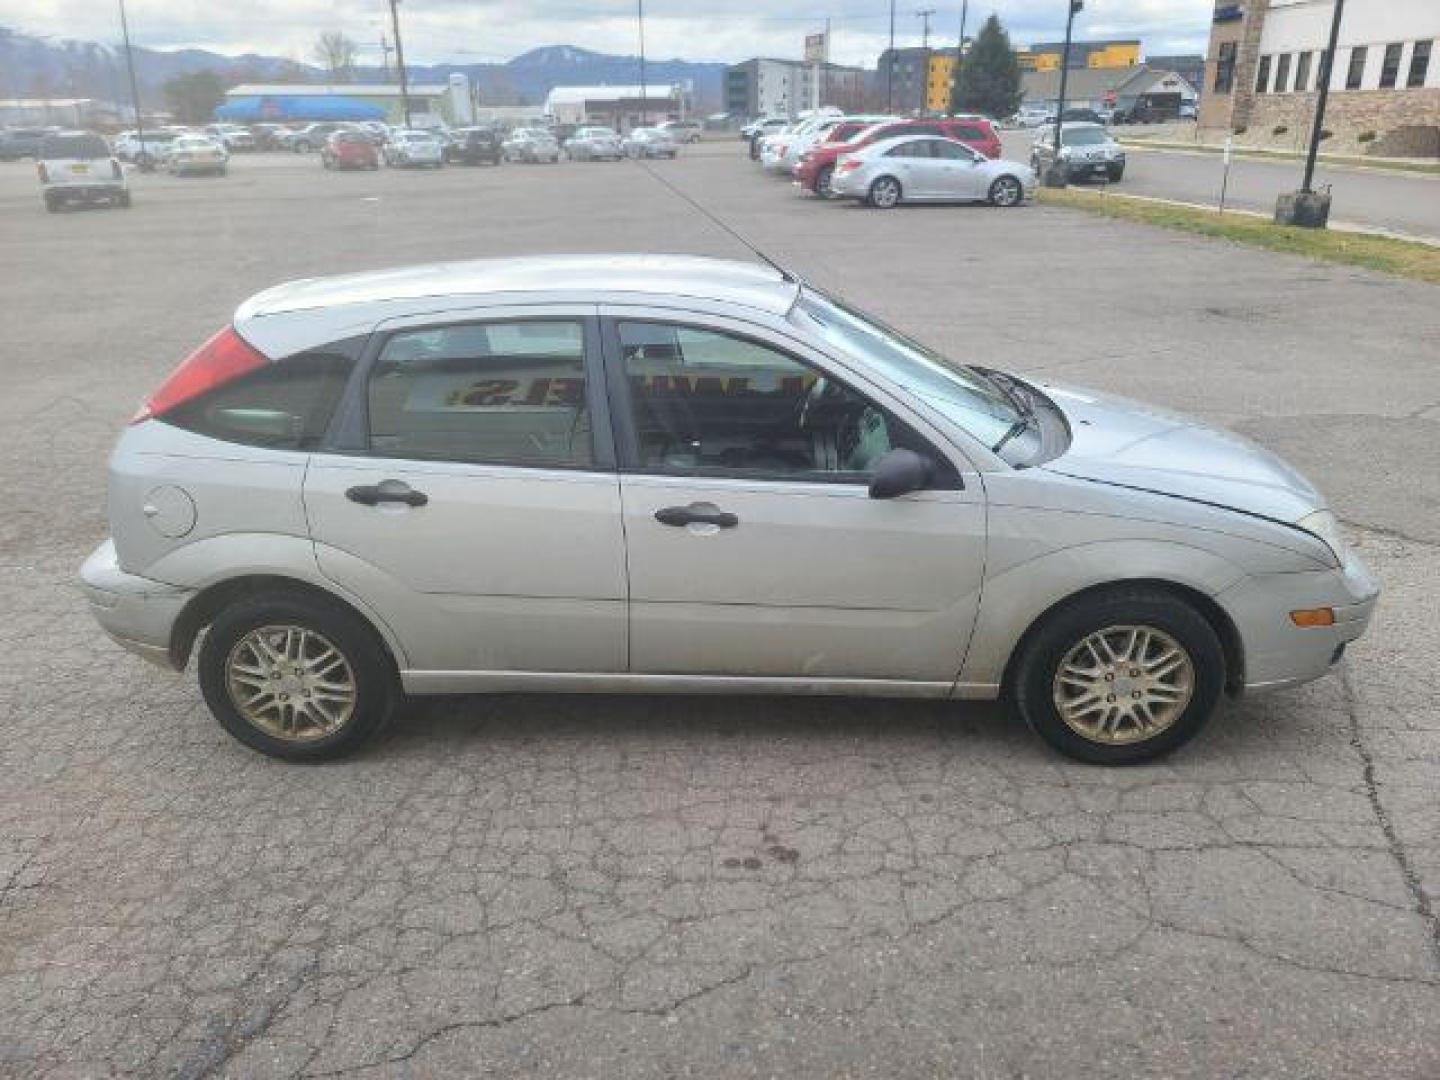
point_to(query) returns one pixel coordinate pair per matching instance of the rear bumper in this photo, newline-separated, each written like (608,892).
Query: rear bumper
(92,190)
(139,613)
(1277,652)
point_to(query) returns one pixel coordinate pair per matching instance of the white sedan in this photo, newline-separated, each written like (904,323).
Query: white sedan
(196,154)
(414,148)
(929,169)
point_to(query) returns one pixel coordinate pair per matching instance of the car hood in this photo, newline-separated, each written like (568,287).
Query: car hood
(1130,444)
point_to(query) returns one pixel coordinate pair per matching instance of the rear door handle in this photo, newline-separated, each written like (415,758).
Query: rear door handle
(696,514)
(387,491)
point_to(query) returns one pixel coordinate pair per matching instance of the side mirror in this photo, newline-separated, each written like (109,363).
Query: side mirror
(900,472)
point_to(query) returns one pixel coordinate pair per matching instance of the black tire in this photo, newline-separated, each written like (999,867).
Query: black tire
(302,146)
(1033,680)
(822,181)
(52,203)
(376,682)
(1006,191)
(885,193)
(1116,174)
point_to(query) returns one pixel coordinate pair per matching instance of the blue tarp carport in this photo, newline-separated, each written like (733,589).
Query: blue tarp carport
(299,107)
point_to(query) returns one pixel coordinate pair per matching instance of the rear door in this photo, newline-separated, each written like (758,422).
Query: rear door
(754,548)
(471,495)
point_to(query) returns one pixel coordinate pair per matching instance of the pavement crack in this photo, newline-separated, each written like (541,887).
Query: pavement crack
(1423,905)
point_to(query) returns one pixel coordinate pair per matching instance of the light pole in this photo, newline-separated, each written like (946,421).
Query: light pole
(1307,207)
(890,65)
(143,158)
(644,99)
(959,54)
(400,61)
(1058,173)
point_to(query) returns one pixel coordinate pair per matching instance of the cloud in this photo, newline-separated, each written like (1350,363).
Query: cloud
(469,31)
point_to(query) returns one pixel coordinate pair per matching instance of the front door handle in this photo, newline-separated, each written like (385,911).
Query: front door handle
(387,491)
(696,514)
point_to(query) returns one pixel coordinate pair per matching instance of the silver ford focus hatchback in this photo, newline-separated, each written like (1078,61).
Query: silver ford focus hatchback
(669,474)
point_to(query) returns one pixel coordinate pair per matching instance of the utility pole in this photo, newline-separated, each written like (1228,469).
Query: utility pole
(400,60)
(1057,174)
(924,15)
(644,100)
(146,162)
(385,51)
(959,54)
(890,65)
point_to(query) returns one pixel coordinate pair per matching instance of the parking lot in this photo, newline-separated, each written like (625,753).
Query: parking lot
(655,887)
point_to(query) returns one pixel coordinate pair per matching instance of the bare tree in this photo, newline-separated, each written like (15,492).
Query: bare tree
(336,51)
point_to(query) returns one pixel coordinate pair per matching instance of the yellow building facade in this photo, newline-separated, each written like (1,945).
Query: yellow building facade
(1097,54)
(939,77)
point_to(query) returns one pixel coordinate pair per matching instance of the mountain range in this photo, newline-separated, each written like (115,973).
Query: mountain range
(36,67)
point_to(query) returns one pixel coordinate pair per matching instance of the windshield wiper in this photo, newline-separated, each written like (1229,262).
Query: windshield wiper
(1019,427)
(1022,405)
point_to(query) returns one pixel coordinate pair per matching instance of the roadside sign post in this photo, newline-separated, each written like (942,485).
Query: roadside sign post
(1225,176)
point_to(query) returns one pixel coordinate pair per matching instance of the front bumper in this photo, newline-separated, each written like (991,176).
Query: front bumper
(1277,652)
(1077,170)
(139,613)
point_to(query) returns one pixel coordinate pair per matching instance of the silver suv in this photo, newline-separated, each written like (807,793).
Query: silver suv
(683,475)
(77,167)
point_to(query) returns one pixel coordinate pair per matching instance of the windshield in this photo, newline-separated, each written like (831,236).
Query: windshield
(965,396)
(82,147)
(1084,137)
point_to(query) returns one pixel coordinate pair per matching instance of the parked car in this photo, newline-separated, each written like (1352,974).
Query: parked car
(413,148)
(147,149)
(190,154)
(755,133)
(376,131)
(349,150)
(816,168)
(649,143)
(1088,150)
(514,507)
(312,137)
(267,135)
(1187,110)
(473,145)
(17,143)
(233,137)
(927,169)
(531,145)
(594,144)
(1032,116)
(1081,116)
(77,167)
(683,131)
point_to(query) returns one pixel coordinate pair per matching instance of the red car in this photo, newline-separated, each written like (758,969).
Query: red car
(349,150)
(817,165)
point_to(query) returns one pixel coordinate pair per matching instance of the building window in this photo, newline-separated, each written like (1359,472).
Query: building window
(1262,76)
(1419,64)
(1356,74)
(1282,74)
(1225,68)
(1302,73)
(1390,68)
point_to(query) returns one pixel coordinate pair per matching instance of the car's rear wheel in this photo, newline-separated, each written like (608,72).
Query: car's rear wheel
(1006,191)
(1120,677)
(823,181)
(1116,174)
(295,677)
(885,193)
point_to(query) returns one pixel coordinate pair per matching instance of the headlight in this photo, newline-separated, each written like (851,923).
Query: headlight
(1322,525)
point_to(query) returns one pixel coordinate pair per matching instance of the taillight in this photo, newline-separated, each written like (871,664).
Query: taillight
(44,173)
(224,357)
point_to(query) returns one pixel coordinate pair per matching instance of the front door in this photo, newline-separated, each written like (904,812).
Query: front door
(479,510)
(754,548)
(958,170)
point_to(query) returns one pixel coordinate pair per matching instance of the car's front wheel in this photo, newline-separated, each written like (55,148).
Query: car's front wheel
(1120,677)
(296,677)
(1116,173)
(885,193)
(1006,191)
(823,181)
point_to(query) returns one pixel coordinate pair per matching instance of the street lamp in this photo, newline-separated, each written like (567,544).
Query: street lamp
(143,157)
(1058,173)
(1308,207)
(400,61)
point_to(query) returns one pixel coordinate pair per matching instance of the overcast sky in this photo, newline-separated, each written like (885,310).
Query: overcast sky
(469,31)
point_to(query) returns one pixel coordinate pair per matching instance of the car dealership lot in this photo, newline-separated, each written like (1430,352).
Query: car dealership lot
(652,886)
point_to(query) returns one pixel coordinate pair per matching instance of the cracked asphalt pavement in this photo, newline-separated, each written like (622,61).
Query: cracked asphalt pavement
(656,887)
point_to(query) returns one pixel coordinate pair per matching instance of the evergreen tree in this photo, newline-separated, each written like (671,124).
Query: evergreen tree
(989,81)
(194,95)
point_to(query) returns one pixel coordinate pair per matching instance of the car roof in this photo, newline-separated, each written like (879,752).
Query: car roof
(918,136)
(745,284)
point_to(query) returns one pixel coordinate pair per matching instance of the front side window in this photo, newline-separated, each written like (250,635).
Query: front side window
(504,393)
(920,148)
(1356,74)
(953,151)
(710,402)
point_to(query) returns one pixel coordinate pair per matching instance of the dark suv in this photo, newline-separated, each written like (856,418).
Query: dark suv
(471,146)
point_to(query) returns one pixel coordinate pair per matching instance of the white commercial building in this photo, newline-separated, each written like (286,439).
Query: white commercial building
(620,107)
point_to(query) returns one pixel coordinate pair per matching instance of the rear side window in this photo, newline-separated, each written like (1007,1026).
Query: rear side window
(503,393)
(971,133)
(285,405)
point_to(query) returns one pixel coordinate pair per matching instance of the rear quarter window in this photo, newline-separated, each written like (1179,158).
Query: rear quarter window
(286,405)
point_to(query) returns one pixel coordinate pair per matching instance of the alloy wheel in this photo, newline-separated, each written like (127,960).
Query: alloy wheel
(1123,684)
(291,683)
(885,193)
(1005,191)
